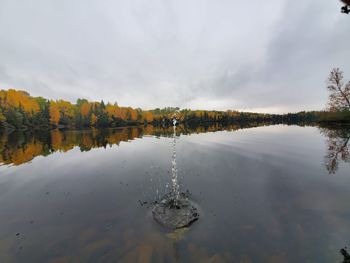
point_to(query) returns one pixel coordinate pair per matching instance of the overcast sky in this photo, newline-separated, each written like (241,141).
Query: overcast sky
(270,56)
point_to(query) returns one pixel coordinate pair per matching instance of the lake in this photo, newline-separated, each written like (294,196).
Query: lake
(265,194)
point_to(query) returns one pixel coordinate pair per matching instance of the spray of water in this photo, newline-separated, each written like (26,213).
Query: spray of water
(175,210)
(174,177)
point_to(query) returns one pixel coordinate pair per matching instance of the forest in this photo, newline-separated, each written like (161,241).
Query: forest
(20,111)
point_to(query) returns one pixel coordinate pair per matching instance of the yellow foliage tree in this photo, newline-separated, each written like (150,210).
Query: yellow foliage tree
(54,113)
(19,98)
(133,114)
(93,120)
(148,116)
(112,111)
(66,108)
(2,97)
(123,113)
(85,109)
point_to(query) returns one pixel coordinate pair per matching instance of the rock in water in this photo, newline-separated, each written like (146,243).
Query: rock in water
(173,214)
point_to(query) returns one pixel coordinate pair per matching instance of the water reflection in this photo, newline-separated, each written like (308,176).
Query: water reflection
(337,141)
(263,195)
(20,147)
(17,148)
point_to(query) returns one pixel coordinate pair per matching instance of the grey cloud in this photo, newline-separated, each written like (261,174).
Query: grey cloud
(219,54)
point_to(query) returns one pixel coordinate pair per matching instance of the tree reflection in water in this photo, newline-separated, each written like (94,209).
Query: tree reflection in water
(19,147)
(337,140)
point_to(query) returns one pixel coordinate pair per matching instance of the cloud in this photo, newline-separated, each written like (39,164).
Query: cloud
(218,54)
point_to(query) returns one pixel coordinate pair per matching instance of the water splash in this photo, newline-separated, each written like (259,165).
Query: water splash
(174,177)
(175,210)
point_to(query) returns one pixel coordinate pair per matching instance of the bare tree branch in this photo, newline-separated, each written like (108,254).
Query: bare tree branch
(339,97)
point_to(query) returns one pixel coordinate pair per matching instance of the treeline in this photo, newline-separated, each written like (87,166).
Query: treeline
(19,110)
(319,117)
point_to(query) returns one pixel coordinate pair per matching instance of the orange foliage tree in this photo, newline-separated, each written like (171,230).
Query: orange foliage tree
(61,111)
(21,99)
(148,116)
(85,109)
(133,114)
(54,113)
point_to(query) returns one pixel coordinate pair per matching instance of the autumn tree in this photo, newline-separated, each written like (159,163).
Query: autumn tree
(132,114)
(112,111)
(339,97)
(86,113)
(22,99)
(85,109)
(93,120)
(54,113)
(148,116)
(20,109)
(123,113)
(61,112)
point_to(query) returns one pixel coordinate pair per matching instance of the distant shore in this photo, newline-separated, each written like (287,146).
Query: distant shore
(20,111)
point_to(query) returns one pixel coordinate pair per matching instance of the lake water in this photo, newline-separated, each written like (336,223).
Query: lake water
(265,194)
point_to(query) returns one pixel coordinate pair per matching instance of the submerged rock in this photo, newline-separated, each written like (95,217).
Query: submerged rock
(175,213)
